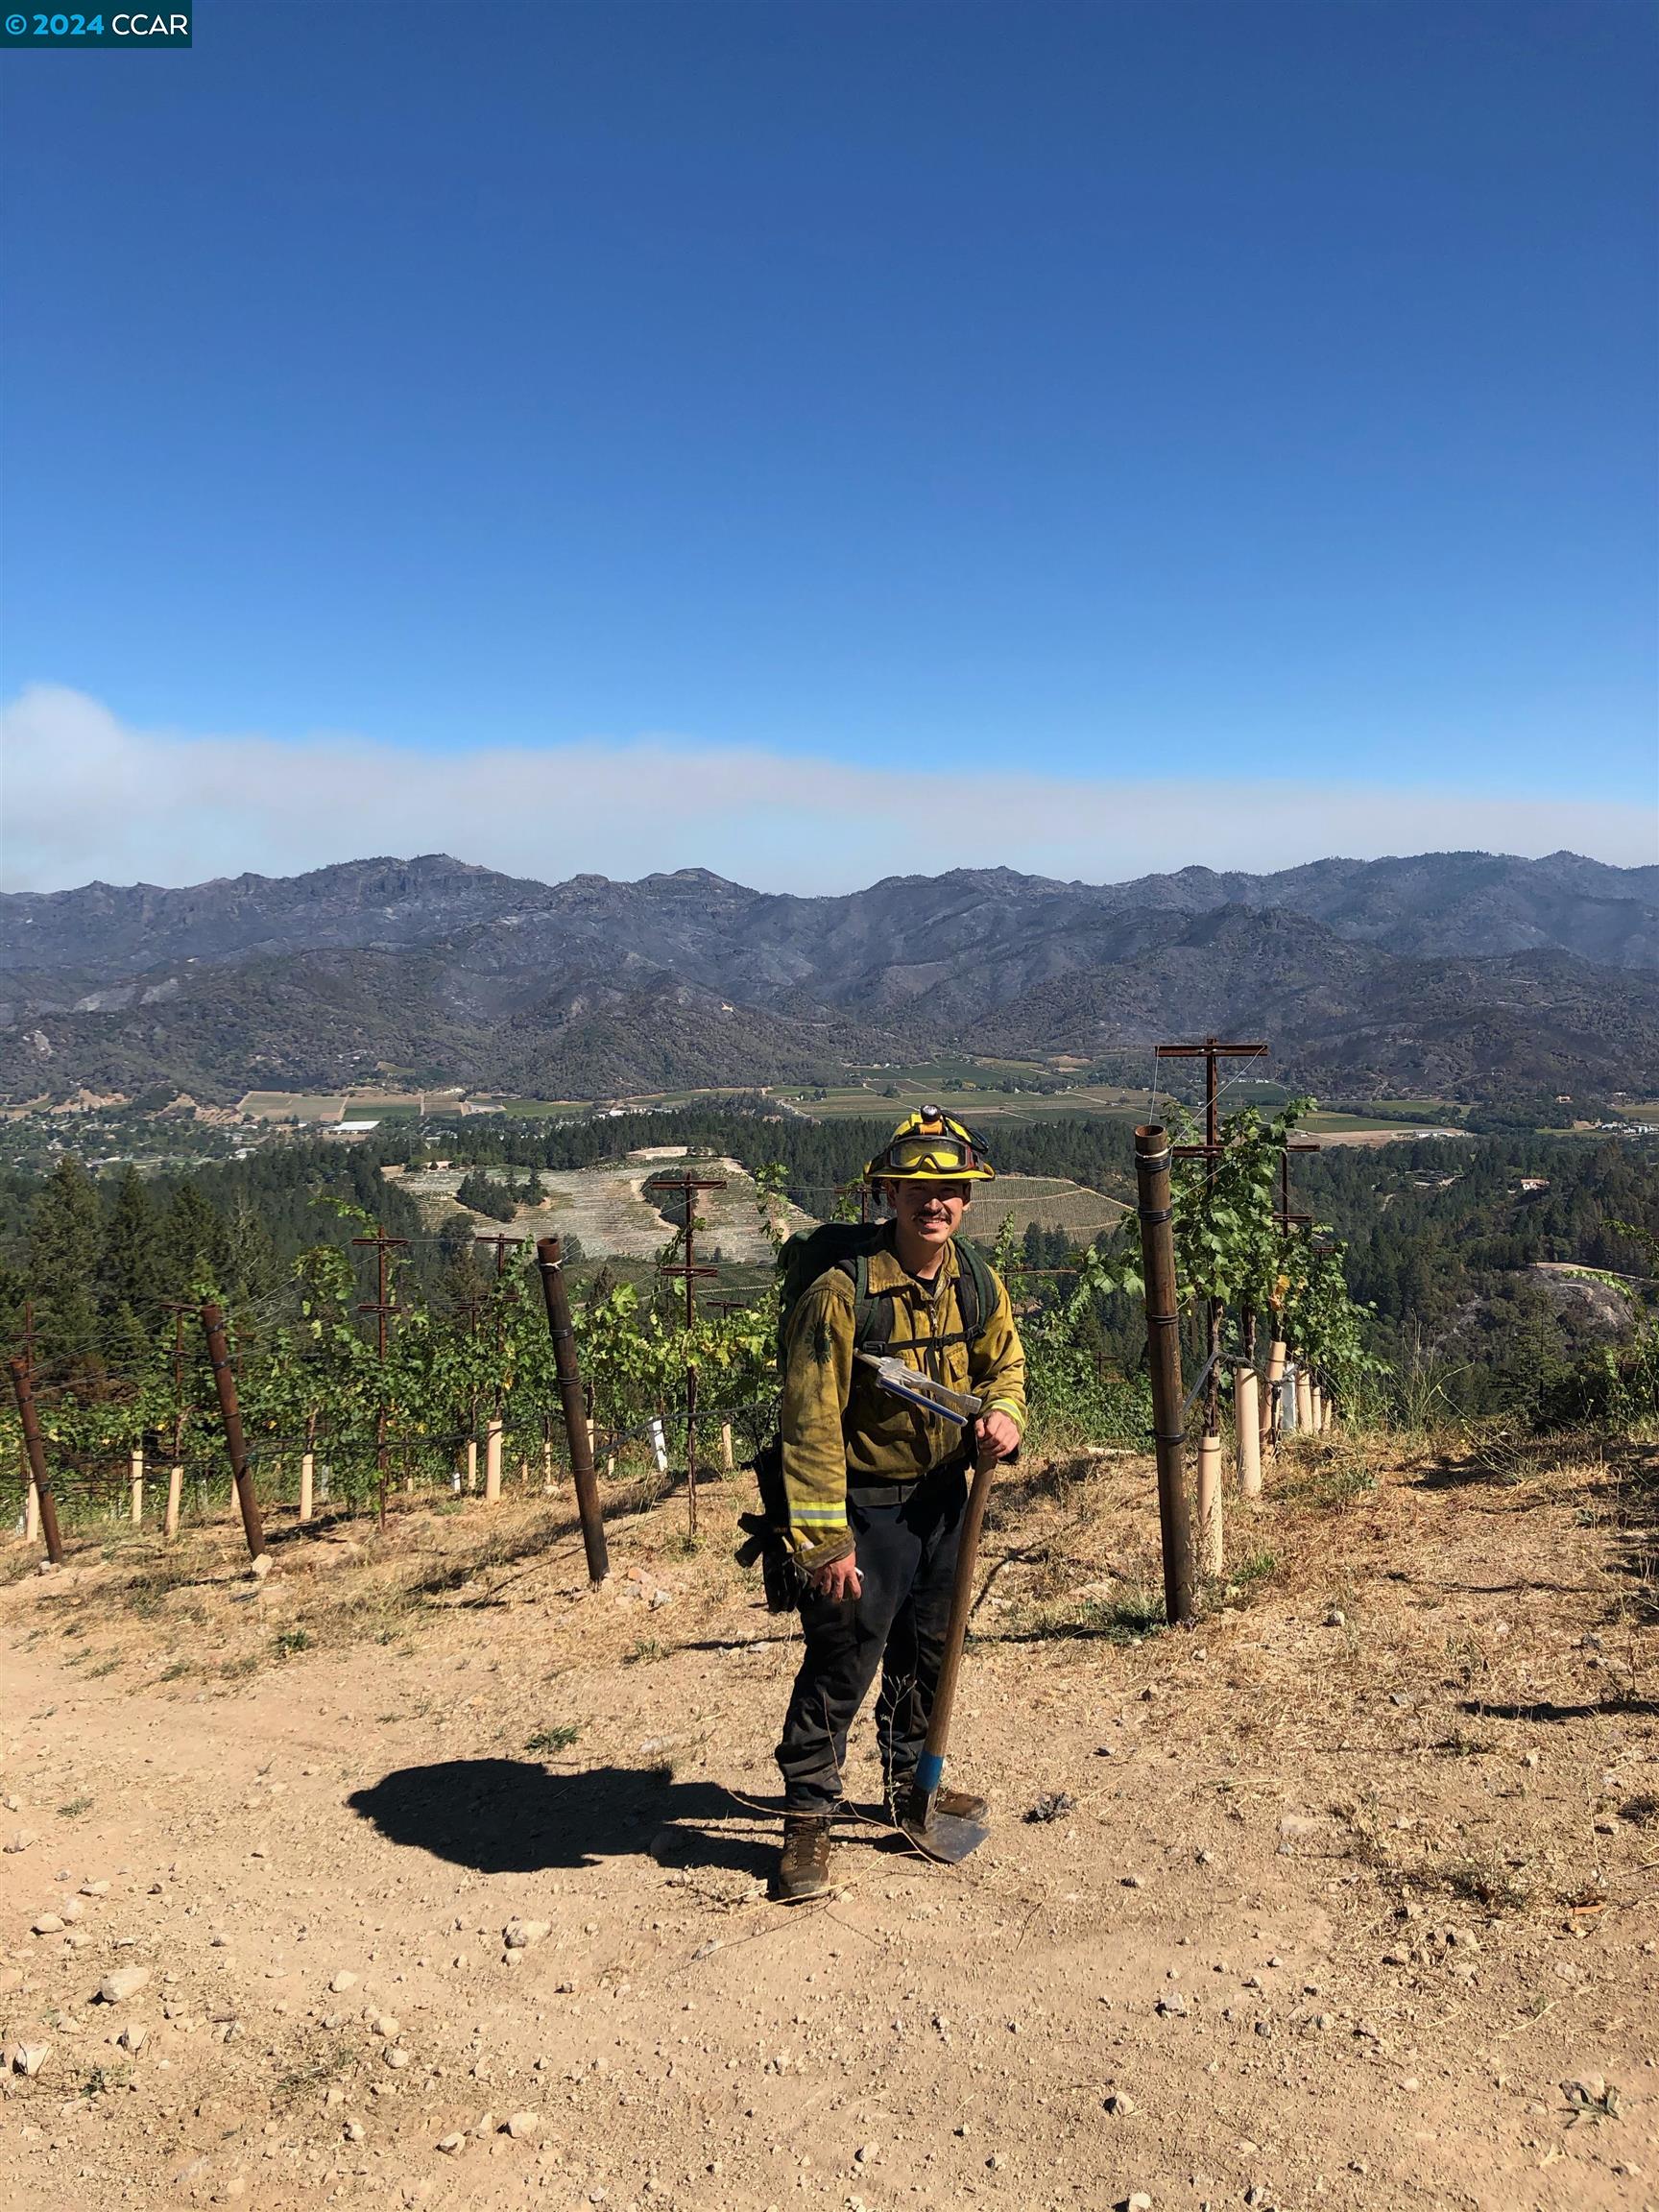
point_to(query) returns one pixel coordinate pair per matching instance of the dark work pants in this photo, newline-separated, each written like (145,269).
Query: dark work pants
(905,1536)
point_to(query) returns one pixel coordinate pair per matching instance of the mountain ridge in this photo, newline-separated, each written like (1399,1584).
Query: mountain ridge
(1449,974)
(1508,902)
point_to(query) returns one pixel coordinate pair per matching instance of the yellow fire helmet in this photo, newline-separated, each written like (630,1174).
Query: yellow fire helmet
(929,1148)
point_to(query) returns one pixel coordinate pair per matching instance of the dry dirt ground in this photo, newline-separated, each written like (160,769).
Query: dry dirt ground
(1338,1889)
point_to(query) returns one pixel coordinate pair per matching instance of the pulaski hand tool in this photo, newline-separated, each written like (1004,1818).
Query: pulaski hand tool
(945,1835)
(919,1389)
(948,1836)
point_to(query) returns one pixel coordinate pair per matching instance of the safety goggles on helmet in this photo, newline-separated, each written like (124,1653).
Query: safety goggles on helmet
(931,1148)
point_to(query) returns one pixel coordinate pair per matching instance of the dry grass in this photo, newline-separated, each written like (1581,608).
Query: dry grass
(1070,1556)
(197,1614)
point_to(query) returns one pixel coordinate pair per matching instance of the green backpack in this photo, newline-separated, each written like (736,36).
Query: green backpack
(848,1245)
(805,1256)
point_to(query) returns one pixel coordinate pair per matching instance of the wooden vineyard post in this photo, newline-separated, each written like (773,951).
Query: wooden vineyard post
(1212,1052)
(39,1481)
(687,1188)
(578,1428)
(381,1308)
(136,1478)
(1164,1355)
(225,1381)
(493,1460)
(1248,1428)
(862,1189)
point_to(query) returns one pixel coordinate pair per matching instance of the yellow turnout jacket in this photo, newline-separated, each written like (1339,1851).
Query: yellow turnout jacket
(840,1426)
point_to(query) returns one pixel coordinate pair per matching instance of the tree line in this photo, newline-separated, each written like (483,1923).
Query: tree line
(1441,1239)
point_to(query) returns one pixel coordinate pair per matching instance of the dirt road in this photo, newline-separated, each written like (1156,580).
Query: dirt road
(1335,1895)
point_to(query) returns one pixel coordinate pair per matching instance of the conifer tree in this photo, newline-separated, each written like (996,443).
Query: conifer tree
(132,1275)
(65,1264)
(129,1348)
(251,1270)
(194,1245)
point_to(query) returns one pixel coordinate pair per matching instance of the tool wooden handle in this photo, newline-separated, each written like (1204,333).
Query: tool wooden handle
(931,1764)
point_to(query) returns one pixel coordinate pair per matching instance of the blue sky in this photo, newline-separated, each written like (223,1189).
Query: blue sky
(1109,397)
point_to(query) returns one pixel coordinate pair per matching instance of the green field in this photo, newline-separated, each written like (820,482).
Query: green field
(840,1102)
(1330,1125)
(971,1091)
(396,1106)
(562,1109)
(1110,1099)
(1047,1199)
(293,1106)
(522,1109)
(1387,1114)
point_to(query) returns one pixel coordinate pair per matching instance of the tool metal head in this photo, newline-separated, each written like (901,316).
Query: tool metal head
(960,1406)
(945,1837)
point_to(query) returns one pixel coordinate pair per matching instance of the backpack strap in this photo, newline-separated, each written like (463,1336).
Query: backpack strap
(873,1311)
(976,1293)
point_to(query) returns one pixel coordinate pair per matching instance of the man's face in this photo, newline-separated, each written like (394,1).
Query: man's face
(930,1213)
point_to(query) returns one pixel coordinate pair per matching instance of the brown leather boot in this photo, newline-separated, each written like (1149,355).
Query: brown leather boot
(803,1868)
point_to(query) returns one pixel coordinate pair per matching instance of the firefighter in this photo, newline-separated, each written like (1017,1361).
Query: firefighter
(875,1486)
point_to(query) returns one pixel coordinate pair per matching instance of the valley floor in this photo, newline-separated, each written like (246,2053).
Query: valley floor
(1338,1890)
